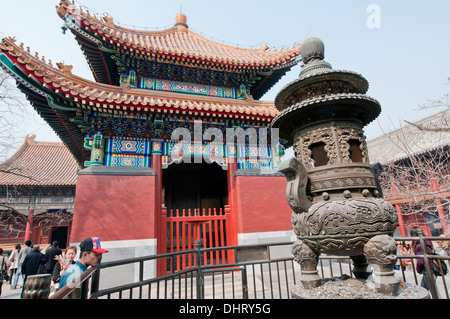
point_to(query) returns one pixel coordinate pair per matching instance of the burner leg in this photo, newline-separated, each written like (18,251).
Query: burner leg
(308,259)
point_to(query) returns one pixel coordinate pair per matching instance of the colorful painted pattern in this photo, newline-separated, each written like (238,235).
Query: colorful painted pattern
(136,153)
(125,146)
(127,152)
(255,164)
(253,151)
(127,160)
(255,157)
(178,148)
(191,88)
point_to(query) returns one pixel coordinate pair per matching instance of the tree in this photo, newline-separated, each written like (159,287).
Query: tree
(418,177)
(13,109)
(12,106)
(444,124)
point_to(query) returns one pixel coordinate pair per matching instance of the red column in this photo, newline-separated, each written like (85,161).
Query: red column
(157,168)
(400,220)
(30,221)
(161,267)
(160,230)
(29,227)
(232,237)
(232,168)
(435,189)
(441,214)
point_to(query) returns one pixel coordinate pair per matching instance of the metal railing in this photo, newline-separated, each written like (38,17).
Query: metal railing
(254,277)
(437,284)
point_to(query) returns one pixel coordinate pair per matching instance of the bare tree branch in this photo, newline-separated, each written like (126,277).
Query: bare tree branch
(13,218)
(430,129)
(12,110)
(420,182)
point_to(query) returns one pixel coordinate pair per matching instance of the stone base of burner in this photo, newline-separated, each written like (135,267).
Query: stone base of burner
(351,288)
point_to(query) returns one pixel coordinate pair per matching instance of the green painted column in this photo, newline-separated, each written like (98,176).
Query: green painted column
(96,145)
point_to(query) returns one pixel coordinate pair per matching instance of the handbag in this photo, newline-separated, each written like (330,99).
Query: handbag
(438,266)
(4,273)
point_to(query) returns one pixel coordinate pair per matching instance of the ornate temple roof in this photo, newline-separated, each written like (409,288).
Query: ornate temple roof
(109,98)
(40,164)
(59,96)
(178,42)
(99,97)
(107,47)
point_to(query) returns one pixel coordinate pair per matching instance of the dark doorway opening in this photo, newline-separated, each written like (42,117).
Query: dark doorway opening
(195,185)
(60,234)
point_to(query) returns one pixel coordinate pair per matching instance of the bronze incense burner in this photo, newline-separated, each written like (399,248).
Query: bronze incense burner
(337,206)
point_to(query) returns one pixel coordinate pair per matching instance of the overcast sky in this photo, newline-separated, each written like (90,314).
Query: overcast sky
(401,47)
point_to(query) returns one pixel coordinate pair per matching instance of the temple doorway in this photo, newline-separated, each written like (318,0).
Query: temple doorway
(196,208)
(195,186)
(60,234)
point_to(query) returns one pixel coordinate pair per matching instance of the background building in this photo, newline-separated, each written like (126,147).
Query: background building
(37,193)
(416,178)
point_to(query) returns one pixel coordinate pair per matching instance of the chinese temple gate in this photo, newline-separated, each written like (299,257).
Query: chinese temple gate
(173,123)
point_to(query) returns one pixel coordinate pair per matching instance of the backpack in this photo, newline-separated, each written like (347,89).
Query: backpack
(438,266)
(4,273)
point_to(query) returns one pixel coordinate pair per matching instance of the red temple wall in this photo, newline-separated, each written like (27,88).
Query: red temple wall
(114,207)
(261,204)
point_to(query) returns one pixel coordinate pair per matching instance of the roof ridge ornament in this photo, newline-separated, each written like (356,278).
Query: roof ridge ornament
(181,22)
(108,20)
(29,139)
(66,69)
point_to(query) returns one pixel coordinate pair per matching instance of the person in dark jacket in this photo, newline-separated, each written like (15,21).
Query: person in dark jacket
(34,264)
(50,254)
(420,263)
(22,254)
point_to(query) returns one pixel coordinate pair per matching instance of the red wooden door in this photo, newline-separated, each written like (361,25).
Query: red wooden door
(185,227)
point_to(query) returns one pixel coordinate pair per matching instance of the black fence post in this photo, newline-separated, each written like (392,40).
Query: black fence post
(95,283)
(200,281)
(244,283)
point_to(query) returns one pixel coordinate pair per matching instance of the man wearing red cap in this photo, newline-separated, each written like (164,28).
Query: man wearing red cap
(90,253)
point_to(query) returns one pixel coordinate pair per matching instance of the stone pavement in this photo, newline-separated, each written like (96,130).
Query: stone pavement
(8,293)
